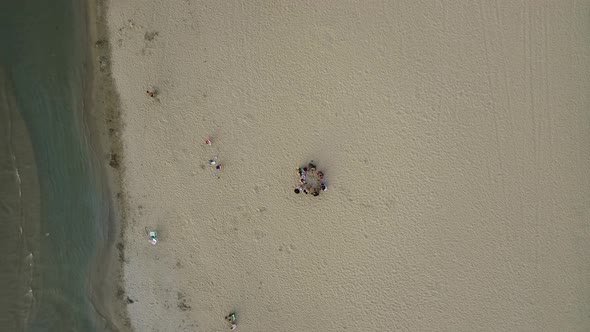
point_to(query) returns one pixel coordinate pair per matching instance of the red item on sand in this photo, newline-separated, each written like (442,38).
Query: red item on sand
(208,141)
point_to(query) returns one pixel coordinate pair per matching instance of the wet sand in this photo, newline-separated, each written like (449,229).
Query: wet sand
(454,140)
(102,117)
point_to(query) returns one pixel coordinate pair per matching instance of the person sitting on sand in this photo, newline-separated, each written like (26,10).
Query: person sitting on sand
(303,177)
(232,319)
(153,237)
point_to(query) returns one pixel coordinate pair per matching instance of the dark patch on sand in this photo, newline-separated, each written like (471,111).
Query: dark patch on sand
(150,35)
(114,160)
(182,305)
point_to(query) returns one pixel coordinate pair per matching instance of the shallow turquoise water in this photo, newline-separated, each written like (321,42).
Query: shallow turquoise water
(43,58)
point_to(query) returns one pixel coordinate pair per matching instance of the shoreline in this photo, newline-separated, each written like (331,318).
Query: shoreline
(108,294)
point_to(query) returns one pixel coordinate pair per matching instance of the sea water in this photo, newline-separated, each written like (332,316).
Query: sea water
(53,205)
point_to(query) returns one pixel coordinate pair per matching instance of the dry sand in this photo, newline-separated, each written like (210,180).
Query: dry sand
(455,141)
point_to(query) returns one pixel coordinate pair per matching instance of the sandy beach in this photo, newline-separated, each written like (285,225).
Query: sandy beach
(454,141)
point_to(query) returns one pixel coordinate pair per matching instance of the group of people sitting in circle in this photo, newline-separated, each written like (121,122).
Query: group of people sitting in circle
(311,181)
